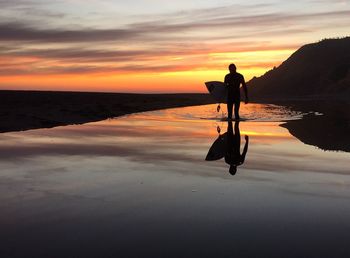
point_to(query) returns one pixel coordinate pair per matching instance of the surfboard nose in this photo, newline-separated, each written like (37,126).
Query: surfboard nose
(217,90)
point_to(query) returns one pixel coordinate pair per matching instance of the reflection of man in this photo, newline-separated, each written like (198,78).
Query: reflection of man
(233,81)
(233,155)
(228,145)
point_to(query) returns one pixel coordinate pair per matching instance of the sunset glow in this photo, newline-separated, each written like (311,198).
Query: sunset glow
(153,46)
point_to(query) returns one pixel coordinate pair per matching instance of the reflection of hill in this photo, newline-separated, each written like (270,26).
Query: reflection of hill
(328,132)
(321,68)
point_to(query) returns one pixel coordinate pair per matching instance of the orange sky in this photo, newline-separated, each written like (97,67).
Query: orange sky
(113,47)
(177,76)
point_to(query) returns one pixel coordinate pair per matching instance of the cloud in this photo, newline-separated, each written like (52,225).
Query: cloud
(88,69)
(16,3)
(248,25)
(20,32)
(152,44)
(85,54)
(176,57)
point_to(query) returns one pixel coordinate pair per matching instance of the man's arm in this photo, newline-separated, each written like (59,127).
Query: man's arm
(245,150)
(245,90)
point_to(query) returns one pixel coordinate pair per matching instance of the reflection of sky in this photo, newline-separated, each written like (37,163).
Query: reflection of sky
(136,178)
(176,135)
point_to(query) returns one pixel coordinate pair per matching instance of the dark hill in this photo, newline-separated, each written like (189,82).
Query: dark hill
(321,68)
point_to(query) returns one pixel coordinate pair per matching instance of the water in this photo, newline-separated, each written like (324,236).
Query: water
(139,186)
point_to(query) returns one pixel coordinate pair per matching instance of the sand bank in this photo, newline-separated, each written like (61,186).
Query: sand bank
(24,110)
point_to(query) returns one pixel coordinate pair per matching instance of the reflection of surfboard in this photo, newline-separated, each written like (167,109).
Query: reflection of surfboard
(218,90)
(217,150)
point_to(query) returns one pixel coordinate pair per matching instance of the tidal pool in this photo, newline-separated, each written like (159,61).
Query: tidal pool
(139,186)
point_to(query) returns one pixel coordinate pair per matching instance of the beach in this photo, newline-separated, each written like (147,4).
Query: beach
(140,186)
(325,122)
(159,129)
(111,171)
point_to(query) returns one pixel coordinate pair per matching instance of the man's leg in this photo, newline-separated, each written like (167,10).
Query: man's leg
(229,109)
(237,105)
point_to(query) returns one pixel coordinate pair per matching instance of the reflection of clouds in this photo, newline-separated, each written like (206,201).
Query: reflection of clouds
(167,138)
(316,193)
(138,152)
(278,161)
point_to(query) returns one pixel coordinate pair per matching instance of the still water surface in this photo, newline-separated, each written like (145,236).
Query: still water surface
(139,186)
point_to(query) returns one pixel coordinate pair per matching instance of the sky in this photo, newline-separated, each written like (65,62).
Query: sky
(151,46)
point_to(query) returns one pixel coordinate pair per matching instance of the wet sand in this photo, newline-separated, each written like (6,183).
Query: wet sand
(24,110)
(325,123)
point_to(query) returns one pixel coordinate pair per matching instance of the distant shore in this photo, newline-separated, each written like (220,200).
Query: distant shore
(25,110)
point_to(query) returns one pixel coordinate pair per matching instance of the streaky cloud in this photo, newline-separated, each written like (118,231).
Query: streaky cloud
(20,32)
(156,30)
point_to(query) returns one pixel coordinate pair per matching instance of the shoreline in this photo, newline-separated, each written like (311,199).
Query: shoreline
(27,110)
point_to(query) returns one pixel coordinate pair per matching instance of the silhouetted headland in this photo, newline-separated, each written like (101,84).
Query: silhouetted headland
(317,70)
(315,78)
(24,110)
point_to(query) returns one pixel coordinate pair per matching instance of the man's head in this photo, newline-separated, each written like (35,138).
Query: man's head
(232,68)
(233,169)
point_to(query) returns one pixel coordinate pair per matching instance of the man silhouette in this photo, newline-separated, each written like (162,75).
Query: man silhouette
(228,145)
(233,81)
(233,155)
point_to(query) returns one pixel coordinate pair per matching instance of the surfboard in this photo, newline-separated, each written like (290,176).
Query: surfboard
(217,150)
(218,90)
